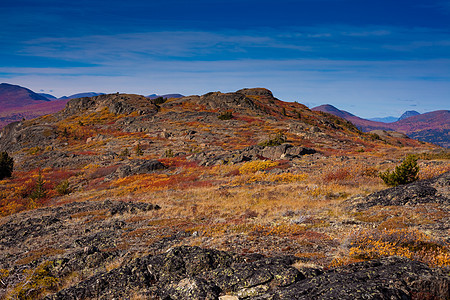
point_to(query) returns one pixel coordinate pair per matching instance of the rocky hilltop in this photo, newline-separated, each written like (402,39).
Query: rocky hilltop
(217,196)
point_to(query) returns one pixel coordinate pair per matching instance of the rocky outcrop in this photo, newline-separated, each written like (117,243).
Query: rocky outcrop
(385,278)
(51,220)
(115,103)
(16,136)
(435,190)
(196,273)
(238,101)
(285,151)
(256,92)
(138,166)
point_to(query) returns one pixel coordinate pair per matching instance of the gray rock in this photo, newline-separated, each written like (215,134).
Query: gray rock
(284,151)
(137,166)
(196,273)
(435,190)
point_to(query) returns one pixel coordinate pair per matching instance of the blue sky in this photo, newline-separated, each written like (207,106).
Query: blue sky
(372,58)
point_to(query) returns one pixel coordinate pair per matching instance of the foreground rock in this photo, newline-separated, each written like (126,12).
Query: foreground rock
(196,273)
(134,167)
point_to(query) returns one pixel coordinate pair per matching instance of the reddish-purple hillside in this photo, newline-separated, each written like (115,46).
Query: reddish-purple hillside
(14,96)
(30,111)
(430,127)
(362,124)
(439,119)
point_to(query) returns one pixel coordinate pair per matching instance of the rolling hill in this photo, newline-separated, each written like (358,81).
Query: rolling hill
(14,96)
(430,127)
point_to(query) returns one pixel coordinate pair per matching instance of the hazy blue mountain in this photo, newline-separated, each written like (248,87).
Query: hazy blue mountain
(153,96)
(407,114)
(81,95)
(389,119)
(48,96)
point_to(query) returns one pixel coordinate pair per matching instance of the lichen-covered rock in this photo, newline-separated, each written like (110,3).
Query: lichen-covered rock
(115,103)
(137,166)
(385,278)
(196,273)
(16,136)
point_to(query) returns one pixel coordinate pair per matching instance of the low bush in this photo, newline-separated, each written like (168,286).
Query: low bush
(228,115)
(274,140)
(406,172)
(6,165)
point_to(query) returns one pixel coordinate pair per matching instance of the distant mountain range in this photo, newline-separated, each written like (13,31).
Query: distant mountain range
(430,127)
(14,96)
(154,96)
(17,102)
(389,119)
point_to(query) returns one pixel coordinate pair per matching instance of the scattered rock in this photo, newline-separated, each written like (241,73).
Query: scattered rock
(137,166)
(285,151)
(435,190)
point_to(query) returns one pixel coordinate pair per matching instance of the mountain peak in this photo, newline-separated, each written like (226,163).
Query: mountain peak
(407,114)
(328,108)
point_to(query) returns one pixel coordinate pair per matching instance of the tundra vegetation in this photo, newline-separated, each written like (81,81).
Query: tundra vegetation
(245,186)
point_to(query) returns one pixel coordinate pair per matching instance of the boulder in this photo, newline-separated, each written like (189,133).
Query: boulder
(435,190)
(134,167)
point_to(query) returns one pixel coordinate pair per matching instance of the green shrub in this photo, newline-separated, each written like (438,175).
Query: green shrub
(63,188)
(6,165)
(138,150)
(169,153)
(374,136)
(39,191)
(274,140)
(159,100)
(124,153)
(406,172)
(228,115)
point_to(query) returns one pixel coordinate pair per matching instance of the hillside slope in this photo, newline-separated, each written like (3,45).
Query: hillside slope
(224,194)
(14,96)
(432,127)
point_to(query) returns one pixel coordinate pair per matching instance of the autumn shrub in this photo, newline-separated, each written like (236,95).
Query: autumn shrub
(412,244)
(374,136)
(256,165)
(406,172)
(6,165)
(340,174)
(427,172)
(37,281)
(443,154)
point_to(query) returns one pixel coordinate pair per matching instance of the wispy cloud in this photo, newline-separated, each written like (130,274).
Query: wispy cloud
(343,43)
